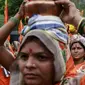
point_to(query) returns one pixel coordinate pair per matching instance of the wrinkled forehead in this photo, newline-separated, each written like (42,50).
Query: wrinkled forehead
(31,39)
(43,39)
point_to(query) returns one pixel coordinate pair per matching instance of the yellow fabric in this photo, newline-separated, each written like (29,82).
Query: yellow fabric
(72,28)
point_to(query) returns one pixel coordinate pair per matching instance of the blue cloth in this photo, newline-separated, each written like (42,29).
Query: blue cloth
(52,24)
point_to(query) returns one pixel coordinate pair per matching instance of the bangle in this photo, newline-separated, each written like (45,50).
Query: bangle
(81,26)
(80,23)
(14,20)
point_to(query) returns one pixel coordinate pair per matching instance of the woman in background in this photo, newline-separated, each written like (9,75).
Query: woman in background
(77,47)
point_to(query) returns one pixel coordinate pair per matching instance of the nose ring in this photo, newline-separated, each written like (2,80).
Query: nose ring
(33,65)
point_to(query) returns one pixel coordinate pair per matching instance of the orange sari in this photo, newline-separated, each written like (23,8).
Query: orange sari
(3,79)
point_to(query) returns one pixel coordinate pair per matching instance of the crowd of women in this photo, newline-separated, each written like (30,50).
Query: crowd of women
(47,55)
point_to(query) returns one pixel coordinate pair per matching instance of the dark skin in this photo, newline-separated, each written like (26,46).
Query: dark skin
(48,7)
(8,27)
(35,52)
(70,15)
(6,57)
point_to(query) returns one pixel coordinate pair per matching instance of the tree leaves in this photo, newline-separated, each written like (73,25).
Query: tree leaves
(13,6)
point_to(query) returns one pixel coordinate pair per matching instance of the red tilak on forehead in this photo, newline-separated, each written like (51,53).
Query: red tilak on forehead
(30,50)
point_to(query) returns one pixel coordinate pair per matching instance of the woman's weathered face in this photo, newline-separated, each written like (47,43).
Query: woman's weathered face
(36,64)
(77,51)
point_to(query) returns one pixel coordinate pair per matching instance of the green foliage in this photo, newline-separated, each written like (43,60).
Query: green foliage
(1,20)
(1,6)
(13,6)
(80,4)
